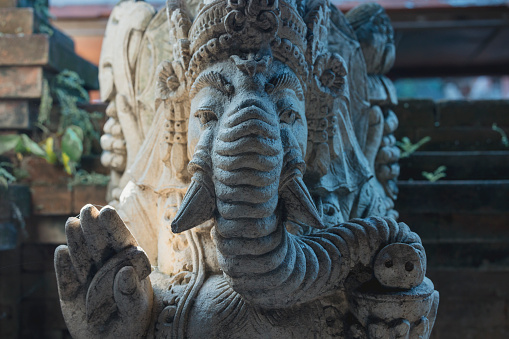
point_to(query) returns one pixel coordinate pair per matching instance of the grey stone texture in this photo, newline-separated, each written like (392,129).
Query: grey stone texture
(254,178)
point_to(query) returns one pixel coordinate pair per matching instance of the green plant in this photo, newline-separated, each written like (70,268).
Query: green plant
(505,140)
(6,177)
(438,174)
(407,147)
(21,144)
(42,11)
(75,132)
(82,177)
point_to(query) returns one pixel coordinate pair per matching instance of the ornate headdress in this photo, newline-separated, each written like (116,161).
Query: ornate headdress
(251,31)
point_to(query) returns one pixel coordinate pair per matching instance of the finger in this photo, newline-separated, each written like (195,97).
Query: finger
(391,122)
(67,281)
(100,299)
(95,235)
(420,331)
(432,315)
(78,251)
(132,296)
(388,155)
(118,235)
(378,331)
(402,330)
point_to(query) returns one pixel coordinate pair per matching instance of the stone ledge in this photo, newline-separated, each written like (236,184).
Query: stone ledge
(46,51)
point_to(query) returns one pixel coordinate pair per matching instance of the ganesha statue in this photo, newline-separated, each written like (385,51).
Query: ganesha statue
(247,195)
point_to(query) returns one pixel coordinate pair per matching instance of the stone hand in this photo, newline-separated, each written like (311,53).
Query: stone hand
(394,313)
(102,277)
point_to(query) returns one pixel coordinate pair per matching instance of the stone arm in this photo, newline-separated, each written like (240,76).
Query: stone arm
(300,269)
(102,277)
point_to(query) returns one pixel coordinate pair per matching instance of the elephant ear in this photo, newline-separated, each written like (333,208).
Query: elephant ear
(334,155)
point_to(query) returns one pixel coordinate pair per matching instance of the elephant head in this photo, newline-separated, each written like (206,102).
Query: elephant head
(248,130)
(248,82)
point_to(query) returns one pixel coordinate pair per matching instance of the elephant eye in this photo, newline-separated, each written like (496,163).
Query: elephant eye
(329,210)
(205,116)
(288,116)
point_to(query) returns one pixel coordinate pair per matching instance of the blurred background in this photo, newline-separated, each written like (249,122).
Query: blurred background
(446,49)
(452,78)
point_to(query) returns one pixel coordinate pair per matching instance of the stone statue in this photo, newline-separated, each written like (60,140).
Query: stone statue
(249,173)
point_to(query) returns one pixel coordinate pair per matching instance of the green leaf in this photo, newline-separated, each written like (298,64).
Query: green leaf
(51,157)
(8,176)
(78,131)
(72,143)
(30,146)
(68,164)
(46,104)
(8,142)
(4,185)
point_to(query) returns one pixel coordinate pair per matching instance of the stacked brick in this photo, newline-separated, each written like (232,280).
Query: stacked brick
(26,58)
(29,306)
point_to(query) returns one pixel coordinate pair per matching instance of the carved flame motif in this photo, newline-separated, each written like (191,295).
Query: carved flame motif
(252,19)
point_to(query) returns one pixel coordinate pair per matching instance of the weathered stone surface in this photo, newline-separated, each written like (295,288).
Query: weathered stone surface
(17,20)
(21,82)
(259,182)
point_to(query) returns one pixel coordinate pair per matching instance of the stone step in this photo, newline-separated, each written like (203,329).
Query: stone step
(468,165)
(473,303)
(454,125)
(458,227)
(480,254)
(458,196)
(46,51)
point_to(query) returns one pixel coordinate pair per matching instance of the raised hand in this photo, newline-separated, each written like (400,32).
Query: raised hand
(102,277)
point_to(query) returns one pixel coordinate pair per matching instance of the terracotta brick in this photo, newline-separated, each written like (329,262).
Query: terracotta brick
(21,82)
(24,50)
(17,20)
(8,3)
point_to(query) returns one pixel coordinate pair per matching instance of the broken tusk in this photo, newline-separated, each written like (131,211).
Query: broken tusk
(198,205)
(299,204)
